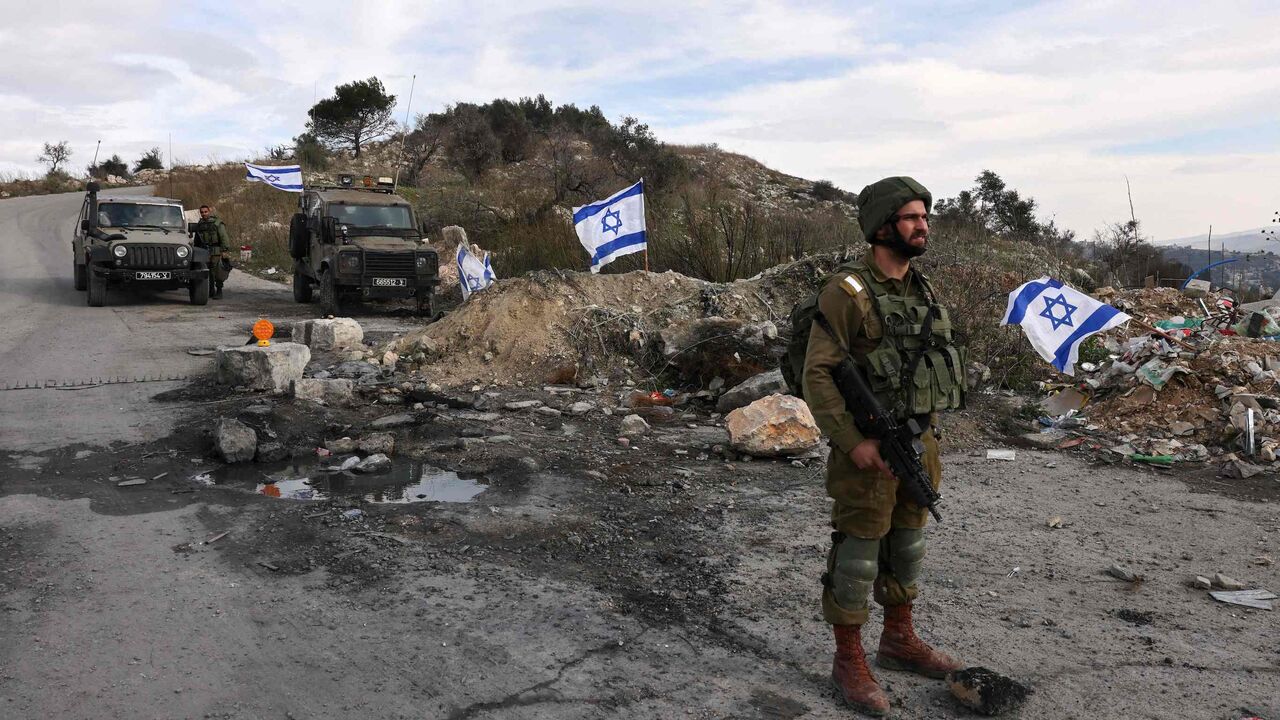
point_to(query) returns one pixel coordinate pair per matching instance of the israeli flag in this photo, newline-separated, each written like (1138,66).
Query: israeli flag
(281,177)
(612,227)
(473,275)
(1057,318)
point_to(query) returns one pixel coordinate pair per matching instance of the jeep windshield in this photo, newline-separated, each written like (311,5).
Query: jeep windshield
(125,215)
(372,217)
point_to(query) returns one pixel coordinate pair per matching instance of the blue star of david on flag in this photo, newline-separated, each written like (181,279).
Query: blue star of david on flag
(280,177)
(1067,310)
(611,222)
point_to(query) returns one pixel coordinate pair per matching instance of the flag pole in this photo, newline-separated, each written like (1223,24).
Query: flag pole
(404,136)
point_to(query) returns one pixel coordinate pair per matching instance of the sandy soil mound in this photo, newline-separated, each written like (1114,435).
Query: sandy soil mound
(570,326)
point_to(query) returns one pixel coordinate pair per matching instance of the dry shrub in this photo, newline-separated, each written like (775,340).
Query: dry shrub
(255,214)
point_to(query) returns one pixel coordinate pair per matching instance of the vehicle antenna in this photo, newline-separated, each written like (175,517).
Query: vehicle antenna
(404,135)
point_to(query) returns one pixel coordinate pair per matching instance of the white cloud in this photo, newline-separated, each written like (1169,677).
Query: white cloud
(1042,95)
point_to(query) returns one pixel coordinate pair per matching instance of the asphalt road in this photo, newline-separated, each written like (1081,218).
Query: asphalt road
(49,335)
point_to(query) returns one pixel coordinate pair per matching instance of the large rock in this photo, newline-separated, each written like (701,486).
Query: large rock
(234,441)
(329,334)
(751,390)
(773,426)
(328,392)
(274,367)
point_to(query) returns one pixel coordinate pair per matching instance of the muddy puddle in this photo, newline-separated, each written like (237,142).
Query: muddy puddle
(408,481)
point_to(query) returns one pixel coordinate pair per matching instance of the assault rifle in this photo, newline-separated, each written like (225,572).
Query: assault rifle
(900,445)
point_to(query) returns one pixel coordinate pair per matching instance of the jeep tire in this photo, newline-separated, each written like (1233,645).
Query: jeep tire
(79,274)
(424,303)
(302,290)
(328,293)
(97,296)
(198,290)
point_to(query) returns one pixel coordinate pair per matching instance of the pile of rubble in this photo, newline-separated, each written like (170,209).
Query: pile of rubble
(577,328)
(1204,387)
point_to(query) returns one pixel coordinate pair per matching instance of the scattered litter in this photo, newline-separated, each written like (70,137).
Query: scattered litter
(352,514)
(216,538)
(1013,572)
(1001,454)
(1152,459)
(1120,572)
(1055,522)
(157,477)
(131,482)
(1260,599)
(1073,442)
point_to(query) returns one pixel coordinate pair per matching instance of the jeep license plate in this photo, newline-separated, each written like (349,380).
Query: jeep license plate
(390,282)
(153,275)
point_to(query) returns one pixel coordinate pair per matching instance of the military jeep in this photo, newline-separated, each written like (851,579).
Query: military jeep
(138,242)
(359,241)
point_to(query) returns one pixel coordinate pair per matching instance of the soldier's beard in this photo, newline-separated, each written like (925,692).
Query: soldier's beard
(900,245)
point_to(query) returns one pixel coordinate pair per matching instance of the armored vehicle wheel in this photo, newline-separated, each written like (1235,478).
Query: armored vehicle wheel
(328,294)
(199,291)
(424,305)
(97,296)
(78,273)
(298,240)
(301,287)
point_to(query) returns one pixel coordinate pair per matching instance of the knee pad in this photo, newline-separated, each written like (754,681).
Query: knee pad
(853,571)
(906,554)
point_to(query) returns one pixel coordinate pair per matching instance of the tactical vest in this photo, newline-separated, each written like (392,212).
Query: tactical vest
(911,372)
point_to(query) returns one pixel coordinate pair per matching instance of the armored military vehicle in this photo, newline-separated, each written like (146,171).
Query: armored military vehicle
(359,240)
(138,242)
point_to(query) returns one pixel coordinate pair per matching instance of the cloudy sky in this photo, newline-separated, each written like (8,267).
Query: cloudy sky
(1062,99)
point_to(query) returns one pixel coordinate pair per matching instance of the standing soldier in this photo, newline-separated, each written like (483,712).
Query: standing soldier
(210,233)
(883,313)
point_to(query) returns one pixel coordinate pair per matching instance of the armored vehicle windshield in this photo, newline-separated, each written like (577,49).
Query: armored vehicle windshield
(395,217)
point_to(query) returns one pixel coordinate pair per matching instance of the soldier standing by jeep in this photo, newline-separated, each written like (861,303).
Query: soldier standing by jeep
(211,234)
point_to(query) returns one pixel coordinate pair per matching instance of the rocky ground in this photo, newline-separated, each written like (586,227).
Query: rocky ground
(668,577)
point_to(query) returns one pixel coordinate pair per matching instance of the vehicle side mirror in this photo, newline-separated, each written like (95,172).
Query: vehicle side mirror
(328,230)
(191,228)
(85,225)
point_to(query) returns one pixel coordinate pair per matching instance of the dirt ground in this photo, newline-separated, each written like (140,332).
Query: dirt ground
(592,580)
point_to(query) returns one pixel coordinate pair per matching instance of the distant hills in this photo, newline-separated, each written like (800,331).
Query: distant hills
(1244,241)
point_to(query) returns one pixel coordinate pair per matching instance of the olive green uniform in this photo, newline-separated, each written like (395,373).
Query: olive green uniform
(858,302)
(211,233)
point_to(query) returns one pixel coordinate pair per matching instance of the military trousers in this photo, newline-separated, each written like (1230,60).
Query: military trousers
(878,543)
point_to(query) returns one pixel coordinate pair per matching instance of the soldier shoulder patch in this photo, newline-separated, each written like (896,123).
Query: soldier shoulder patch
(851,285)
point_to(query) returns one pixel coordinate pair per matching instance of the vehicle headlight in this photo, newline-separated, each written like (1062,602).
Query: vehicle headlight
(119,251)
(349,262)
(422,261)
(183,251)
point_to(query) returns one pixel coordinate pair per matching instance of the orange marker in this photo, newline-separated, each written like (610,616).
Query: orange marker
(263,330)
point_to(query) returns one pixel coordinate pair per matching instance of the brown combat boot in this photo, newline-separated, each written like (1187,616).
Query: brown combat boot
(852,677)
(901,649)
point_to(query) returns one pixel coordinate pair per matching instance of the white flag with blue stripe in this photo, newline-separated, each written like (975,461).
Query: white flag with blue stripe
(280,177)
(473,274)
(612,227)
(1057,318)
